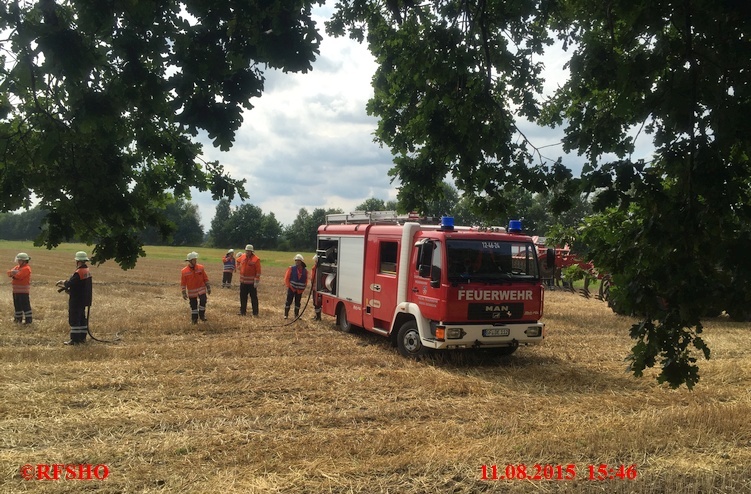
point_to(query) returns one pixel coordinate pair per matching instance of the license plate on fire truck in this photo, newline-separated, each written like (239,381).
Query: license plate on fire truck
(495,332)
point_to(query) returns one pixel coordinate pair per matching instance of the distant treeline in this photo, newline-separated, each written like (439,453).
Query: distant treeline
(236,226)
(22,226)
(28,225)
(232,227)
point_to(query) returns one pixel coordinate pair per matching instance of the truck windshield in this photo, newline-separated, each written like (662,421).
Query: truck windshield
(491,261)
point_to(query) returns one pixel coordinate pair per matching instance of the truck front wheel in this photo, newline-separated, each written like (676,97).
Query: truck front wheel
(408,341)
(344,324)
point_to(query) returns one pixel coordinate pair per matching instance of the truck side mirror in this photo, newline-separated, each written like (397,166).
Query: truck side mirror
(424,271)
(435,277)
(550,258)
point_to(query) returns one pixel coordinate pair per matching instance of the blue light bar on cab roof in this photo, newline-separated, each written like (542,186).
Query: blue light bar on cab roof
(447,222)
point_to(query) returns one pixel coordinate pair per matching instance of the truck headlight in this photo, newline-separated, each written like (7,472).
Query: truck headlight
(455,333)
(533,331)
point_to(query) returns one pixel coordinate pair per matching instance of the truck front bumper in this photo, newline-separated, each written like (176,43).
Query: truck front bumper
(457,336)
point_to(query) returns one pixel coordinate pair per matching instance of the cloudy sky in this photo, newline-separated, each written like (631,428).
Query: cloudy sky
(308,143)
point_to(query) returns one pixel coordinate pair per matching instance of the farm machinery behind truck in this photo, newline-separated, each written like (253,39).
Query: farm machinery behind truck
(736,304)
(562,275)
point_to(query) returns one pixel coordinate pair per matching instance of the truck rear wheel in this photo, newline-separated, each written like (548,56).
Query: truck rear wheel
(344,324)
(408,341)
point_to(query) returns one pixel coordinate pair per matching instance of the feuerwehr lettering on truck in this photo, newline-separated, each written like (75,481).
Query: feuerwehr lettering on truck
(494,295)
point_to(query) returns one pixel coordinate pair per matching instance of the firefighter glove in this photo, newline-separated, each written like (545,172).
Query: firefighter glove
(185,295)
(208,288)
(255,283)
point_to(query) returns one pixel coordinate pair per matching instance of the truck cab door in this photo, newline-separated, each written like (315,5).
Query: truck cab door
(380,287)
(427,273)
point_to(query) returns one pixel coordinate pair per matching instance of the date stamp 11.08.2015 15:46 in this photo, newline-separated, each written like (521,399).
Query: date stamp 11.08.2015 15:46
(538,471)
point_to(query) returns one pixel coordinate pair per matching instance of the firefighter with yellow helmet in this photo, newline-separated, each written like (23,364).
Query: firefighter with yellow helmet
(79,289)
(21,282)
(194,283)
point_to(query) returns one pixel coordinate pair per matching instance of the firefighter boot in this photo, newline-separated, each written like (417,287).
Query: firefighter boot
(318,315)
(194,318)
(286,312)
(202,315)
(297,312)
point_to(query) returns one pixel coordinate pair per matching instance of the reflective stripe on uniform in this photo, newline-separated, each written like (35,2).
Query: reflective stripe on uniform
(195,292)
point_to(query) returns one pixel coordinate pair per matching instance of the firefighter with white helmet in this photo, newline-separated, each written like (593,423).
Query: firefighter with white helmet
(194,283)
(21,282)
(229,266)
(249,266)
(79,290)
(295,279)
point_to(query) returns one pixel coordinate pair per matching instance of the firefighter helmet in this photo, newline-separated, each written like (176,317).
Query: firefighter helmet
(191,256)
(299,257)
(81,256)
(231,251)
(23,256)
(249,247)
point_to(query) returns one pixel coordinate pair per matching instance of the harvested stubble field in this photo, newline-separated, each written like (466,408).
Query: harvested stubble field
(241,405)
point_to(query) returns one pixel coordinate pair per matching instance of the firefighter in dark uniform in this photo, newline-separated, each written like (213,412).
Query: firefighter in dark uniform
(79,289)
(316,297)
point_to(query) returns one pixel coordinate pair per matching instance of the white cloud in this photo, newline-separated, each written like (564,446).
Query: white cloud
(308,142)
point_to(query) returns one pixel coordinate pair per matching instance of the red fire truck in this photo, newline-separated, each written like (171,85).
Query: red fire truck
(431,286)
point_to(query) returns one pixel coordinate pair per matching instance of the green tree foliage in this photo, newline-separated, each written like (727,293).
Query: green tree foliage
(298,234)
(246,224)
(301,234)
(669,230)
(218,234)
(444,203)
(375,204)
(100,103)
(541,216)
(452,75)
(538,211)
(269,233)
(22,226)
(243,226)
(186,226)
